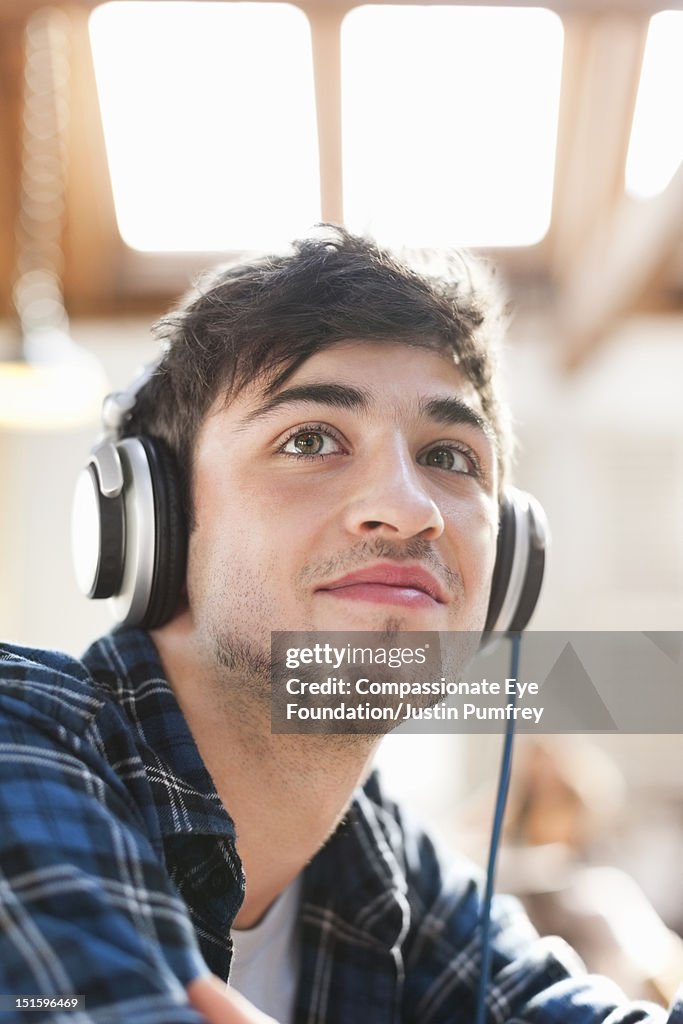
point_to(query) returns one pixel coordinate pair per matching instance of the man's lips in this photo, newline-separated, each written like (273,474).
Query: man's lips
(388,584)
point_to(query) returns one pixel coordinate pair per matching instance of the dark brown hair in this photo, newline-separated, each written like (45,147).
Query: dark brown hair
(263,319)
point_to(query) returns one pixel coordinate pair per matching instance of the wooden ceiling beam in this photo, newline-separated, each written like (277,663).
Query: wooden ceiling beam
(615,270)
(326,40)
(601,72)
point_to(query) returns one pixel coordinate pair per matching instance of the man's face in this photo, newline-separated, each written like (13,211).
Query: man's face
(360,496)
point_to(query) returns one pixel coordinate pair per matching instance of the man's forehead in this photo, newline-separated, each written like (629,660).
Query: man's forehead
(373,368)
(371,379)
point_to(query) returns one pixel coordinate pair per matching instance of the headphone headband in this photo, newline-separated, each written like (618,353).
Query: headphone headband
(118,405)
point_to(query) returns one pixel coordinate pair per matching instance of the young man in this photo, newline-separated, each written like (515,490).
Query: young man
(333,422)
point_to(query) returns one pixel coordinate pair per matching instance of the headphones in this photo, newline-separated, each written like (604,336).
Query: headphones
(129,538)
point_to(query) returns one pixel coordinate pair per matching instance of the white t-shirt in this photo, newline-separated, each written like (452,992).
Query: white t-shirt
(265,963)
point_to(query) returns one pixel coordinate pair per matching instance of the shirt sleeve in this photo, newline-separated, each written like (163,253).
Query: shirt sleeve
(533,980)
(86,906)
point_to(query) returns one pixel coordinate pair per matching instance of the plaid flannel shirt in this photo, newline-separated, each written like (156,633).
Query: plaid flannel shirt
(119,877)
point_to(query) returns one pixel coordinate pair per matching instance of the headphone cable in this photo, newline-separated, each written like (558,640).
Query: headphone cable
(499,812)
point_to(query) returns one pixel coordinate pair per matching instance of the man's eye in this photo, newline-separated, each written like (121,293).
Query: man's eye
(450,459)
(310,442)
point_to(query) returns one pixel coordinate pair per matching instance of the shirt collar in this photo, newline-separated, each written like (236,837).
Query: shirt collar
(357,875)
(126,663)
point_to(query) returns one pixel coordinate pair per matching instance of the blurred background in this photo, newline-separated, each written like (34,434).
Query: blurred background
(143,141)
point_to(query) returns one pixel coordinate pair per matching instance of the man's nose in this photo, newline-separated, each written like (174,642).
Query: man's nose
(390,499)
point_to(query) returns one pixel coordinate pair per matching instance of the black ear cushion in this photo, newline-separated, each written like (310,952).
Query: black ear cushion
(535,568)
(502,569)
(170,534)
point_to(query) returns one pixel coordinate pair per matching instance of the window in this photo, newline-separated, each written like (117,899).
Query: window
(450,123)
(209,121)
(656,147)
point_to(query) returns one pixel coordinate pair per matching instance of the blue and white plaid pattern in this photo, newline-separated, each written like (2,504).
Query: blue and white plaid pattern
(119,877)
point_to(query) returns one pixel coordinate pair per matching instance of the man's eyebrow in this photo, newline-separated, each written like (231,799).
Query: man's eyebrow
(451,410)
(454,411)
(338,396)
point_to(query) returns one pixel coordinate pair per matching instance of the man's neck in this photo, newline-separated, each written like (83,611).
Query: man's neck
(285,793)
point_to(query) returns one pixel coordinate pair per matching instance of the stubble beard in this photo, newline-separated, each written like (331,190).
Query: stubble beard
(252,664)
(243,659)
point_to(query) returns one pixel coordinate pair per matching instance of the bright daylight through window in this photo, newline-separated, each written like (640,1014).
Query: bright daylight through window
(209,121)
(656,148)
(450,122)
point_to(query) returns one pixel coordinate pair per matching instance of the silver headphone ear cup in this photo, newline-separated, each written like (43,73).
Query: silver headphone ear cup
(520,564)
(128,530)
